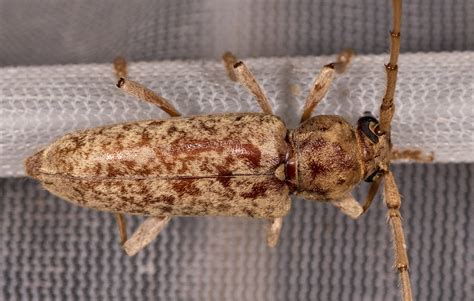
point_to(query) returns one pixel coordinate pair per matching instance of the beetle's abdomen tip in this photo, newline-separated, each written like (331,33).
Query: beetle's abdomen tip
(33,165)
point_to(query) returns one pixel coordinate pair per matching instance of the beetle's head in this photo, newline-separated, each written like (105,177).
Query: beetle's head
(375,147)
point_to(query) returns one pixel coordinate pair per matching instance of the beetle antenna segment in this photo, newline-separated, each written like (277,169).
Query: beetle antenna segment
(387,108)
(393,202)
(145,94)
(122,227)
(323,82)
(246,78)
(229,61)
(120,66)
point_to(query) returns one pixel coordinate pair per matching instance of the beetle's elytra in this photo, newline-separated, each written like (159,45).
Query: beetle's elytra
(207,165)
(242,164)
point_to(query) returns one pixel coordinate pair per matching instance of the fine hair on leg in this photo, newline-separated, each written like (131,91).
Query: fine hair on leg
(145,234)
(323,81)
(145,94)
(140,91)
(393,202)
(247,79)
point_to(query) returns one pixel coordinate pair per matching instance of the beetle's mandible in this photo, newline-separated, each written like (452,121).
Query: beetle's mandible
(240,164)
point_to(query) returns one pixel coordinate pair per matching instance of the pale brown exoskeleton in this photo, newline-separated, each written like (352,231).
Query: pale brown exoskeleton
(242,164)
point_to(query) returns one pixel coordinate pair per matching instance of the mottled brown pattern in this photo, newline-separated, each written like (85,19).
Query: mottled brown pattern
(329,161)
(224,177)
(205,165)
(242,143)
(318,169)
(252,196)
(192,148)
(260,189)
(185,187)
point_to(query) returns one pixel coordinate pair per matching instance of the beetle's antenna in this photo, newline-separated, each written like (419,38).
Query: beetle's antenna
(393,202)
(387,108)
(391,195)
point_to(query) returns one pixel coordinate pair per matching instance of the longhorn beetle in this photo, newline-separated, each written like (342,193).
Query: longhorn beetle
(243,164)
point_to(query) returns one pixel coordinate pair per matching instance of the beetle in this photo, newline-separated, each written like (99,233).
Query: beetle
(236,164)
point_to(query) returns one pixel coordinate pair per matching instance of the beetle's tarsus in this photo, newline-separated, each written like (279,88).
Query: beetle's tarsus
(349,206)
(120,66)
(273,231)
(229,61)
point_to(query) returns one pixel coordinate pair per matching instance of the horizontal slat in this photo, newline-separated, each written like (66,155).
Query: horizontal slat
(433,98)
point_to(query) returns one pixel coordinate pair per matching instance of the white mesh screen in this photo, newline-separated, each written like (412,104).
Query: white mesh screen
(434,98)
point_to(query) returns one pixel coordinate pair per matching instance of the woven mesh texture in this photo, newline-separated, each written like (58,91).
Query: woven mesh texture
(57,251)
(65,31)
(435,113)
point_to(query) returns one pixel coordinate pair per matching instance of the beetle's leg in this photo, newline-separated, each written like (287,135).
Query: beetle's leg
(411,154)
(120,66)
(145,94)
(323,82)
(229,61)
(374,187)
(393,202)
(122,227)
(246,78)
(140,91)
(145,233)
(274,230)
(349,206)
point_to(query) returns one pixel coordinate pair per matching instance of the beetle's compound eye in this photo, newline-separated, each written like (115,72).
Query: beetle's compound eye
(373,176)
(370,127)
